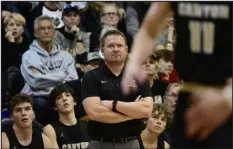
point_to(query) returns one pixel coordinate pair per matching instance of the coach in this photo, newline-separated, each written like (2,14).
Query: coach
(115,119)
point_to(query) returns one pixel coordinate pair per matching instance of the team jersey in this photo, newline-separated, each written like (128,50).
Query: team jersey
(75,137)
(36,142)
(203,53)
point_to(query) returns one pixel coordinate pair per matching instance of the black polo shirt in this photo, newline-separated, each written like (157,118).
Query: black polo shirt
(103,83)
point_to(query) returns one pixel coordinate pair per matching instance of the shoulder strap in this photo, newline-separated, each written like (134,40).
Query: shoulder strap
(37,139)
(11,136)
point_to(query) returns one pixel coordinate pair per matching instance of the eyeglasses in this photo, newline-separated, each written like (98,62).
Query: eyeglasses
(171,95)
(109,14)
(50,28)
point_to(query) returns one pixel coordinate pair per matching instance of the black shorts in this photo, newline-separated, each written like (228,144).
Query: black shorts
(221,138)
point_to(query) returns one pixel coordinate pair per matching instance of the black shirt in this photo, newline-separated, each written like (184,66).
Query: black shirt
(75,136)
(103,83)
(204,43)
(12,52)
(160,145)
(158,90)
(37,140)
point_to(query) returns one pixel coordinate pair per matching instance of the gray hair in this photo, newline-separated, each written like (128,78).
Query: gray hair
(110,4)
(171,85)
(41,18)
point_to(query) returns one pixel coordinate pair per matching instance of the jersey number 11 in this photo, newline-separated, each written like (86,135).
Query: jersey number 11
(201,37)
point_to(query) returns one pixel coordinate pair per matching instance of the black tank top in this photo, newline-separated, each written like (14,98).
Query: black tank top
(203,53)
(36,143)
(75,137)
(161,144)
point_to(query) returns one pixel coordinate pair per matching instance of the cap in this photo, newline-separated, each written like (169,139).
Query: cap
(93,56)
(70,7)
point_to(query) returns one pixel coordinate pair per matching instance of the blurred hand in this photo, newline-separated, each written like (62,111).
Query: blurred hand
(34,70)
(75,30)
(5,13)
(9,36)
(208,110)
(133,73)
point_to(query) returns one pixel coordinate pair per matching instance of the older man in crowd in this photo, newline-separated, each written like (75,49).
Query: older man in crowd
(45,65)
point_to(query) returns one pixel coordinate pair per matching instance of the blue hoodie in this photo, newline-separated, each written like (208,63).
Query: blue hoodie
(55,67)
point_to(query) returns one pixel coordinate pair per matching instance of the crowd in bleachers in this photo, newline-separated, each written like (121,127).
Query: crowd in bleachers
(45,44)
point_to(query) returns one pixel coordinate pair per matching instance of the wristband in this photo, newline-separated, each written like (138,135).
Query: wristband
(114,103)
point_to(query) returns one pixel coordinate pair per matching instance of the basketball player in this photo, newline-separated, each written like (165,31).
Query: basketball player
(21,134)
(203,59)
(68,131)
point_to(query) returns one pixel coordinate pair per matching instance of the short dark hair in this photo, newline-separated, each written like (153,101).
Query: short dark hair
(165,54)
(59,89)
(110,33)
(18,99)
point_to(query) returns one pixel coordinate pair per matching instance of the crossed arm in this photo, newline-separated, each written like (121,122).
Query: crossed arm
(101,111)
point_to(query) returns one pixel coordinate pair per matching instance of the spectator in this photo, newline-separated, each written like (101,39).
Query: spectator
(110,18)
(157,86)
(45,8)
(167,35)
(166,71)
(45,65)
(110,15)
(135,13)
(68,131)
(93,61)
(155,125)
(90,22)
(114,118)
(70,37)
(171,95)
(11,7)
(14,44)
(21,134)
(22,8)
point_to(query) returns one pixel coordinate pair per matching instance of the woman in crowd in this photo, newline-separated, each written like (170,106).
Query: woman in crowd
(14,44)
(14,41)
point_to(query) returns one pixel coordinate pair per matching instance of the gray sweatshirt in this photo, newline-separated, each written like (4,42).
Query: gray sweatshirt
(55,67)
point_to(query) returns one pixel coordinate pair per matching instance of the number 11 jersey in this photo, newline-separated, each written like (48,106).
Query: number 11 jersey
(203,52)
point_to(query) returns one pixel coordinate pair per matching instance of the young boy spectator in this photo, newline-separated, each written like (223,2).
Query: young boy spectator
(67,131)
